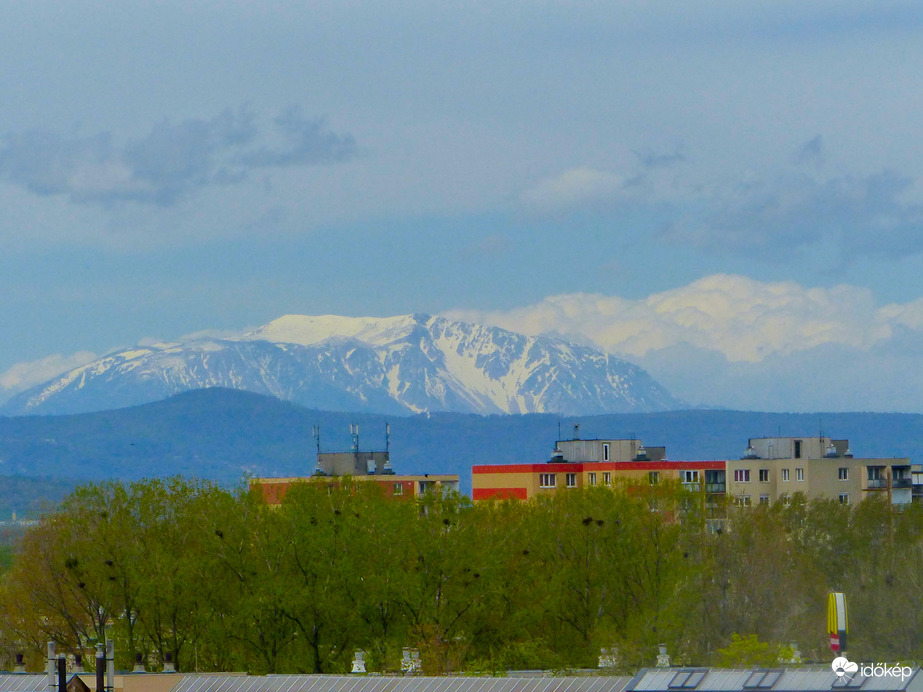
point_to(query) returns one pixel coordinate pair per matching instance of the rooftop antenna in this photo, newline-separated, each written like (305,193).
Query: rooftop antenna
(559,428)
(387,437)
(317,437)
(354,431)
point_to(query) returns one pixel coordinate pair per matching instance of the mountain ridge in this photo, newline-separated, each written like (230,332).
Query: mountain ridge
(404,364)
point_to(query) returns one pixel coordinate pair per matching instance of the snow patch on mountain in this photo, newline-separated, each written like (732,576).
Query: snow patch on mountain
(405,364)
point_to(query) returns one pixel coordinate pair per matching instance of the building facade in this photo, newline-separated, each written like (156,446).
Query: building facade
(372,466)
(773,469)
(273,490)
(600,462)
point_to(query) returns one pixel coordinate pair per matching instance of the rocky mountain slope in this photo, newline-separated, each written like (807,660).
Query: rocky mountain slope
(396,365)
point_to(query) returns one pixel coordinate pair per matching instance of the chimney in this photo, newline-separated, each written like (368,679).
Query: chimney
(62,673)
(20,665)
(410,663)
(139,664)
(168,666)
(100,668)
(50,667)
(358,662)
(663,660)
(110,665)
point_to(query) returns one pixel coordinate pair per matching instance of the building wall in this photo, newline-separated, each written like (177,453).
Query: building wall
(796,447)
(524,481)
(583,451)
(351,463)
(821,478)
(273,490)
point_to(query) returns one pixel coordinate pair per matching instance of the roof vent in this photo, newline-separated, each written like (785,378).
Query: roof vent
(831,452)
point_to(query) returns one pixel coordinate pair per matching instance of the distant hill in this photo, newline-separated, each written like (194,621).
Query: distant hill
(394,365)
(28,498)
(223,435)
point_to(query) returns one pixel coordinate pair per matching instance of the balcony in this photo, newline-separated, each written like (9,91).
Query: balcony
(715,487)
(882,483)
(692,487)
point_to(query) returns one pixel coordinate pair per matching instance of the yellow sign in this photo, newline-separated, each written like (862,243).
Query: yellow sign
(836,613)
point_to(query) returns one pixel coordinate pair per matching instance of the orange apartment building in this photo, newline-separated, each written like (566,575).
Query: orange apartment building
(366,466)
(587,463)
(397,486)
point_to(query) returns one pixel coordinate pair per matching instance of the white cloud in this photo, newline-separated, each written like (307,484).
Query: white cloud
(743,319)
(731,341)
(24,375)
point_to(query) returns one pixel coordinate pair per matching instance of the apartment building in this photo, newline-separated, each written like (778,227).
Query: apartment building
(773,469)
(579,463)
(372,466)
(273,490)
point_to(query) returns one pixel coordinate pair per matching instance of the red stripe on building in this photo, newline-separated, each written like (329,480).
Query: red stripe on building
(500,493)
(602,466)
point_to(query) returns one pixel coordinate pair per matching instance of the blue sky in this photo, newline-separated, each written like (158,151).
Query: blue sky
(728,194)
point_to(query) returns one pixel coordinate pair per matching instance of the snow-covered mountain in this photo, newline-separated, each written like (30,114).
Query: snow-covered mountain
(406,364)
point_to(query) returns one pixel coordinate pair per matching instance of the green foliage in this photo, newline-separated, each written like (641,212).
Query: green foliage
(223,582)
(748,651)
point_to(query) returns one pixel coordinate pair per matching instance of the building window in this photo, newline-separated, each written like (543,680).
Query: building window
(546,480)
(607,478)
(844,473)
(398,489)
(591,479)
(653,477)
(742,500)
(689,476)
(786,499)
(785,475)
(605,452)
(764,475)
(844,498)
(797,449)
(799,474)
(764,499)
(741,475)
(571,480)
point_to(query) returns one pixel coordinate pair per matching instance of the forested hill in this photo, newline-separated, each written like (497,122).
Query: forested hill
(224,435)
